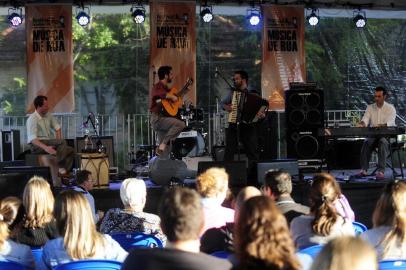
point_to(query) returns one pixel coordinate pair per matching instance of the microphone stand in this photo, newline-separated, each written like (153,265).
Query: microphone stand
(99,144)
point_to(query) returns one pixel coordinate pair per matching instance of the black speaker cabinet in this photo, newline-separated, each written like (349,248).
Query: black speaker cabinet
(10,145)
(107,142)
(26,172)
(237,171)
(304,115)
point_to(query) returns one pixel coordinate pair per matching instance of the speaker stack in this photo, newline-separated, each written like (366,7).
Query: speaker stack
(304,116)
(10,145)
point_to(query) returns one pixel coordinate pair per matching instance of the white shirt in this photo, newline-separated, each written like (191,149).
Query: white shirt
(41,127)
(375,116)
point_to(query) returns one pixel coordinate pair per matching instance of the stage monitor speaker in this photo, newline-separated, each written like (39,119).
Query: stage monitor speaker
(29,171)
(10,145)
(163,171)
(267,136)
(237,171)
(288,165)
(304,115)
(107,142)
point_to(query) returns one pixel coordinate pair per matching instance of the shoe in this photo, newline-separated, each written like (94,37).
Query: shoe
(361,174)
(380,176)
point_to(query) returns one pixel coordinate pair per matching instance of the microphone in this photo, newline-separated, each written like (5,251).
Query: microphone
(216,72)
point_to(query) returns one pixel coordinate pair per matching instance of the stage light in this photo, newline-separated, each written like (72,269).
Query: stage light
(83,19)
(359,19)
(313,18)
(206,13)
(15,16)
(138,14)
(254,16)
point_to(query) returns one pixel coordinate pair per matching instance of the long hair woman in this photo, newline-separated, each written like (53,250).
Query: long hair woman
(38,224)
(388,234)
(262,238)
(79,238)
(323,223)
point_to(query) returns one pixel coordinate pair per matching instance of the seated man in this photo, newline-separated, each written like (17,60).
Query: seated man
(45,137)
(182,221)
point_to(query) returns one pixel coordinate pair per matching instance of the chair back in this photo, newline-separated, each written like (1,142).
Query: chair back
(90,265)
(222,254)
(359,227)
(392,265)
(312,251)
(37,253)
(9,265)
(137,240)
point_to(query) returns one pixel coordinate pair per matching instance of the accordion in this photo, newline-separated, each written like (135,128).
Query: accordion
(251,105)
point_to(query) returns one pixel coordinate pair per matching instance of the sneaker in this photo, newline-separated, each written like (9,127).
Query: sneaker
(380,176)
(361,174)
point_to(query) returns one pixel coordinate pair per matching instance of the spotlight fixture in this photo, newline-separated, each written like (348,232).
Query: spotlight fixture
(254,16)
(206,13)
(15,16)
(82,16)
(313,18)
(138,13)
(359,19)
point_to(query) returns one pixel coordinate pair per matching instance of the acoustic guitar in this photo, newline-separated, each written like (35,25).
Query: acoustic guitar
(171,108)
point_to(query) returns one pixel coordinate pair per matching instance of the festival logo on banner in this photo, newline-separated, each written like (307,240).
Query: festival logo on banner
(173,43)
(283,54)
(49,55)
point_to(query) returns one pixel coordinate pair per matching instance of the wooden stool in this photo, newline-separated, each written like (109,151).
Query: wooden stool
(98,165)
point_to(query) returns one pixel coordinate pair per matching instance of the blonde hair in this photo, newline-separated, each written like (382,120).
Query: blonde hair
(262,237)
(75,223)
(133,193)
(9,209)
(346,252)
(390,211)
(212,182)
(324,191)
(38,202)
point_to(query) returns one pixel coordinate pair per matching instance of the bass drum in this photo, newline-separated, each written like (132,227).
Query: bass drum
(188,144)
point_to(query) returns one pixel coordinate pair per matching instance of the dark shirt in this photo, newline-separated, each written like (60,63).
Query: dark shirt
(218,239)
(159,91)
(172,259)
(290,209)
(37,236)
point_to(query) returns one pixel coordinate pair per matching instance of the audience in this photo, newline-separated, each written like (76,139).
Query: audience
(278,185)
(132,218)
(38,223)
(10,250)
(324,222)
(348,253)
(79,239)
(84,184)
(262,238)
(388,234)
(182,220)
(17,214)
(221,239)
(212,185)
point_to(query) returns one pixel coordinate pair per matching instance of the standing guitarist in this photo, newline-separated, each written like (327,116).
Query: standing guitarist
(166,127)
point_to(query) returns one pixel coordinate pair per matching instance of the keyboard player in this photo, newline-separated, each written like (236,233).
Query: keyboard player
(378,114)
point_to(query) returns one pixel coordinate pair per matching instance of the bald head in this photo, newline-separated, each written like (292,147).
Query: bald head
(245,194)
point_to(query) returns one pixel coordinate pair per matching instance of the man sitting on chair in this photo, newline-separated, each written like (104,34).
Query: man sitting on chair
(45,137)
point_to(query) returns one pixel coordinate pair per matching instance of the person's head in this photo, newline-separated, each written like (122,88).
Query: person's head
(323,193)
(346,252)
(75,223)
(181,214)
(41,104)
(10,213)
(244,194)
(380,95)
(213,183)
(133,194)
(84,179)
(240,79)
(165,73)
(277,183)
(262,236)
(38,202)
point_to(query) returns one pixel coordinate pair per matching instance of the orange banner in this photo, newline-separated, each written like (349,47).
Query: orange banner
(283,52)
(49,56)
(173,42)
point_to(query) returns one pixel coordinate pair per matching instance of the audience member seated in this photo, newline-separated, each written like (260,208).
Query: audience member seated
(221,239)
(389,223)
(324,222)
(17,214)
(212,186)
(10,250)
(262,238)
(79,239)
(349,253)
(182,221)
(38,224)
(133,193)
(278,185)
(84,184)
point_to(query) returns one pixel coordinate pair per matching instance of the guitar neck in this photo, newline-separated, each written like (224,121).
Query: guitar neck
(182,91)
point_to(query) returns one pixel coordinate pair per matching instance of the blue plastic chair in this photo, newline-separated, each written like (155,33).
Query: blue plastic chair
(12,266)
(222,254)
(312,251)
(392,265)
(37,253)
(359,227)
(90,265)
(137,240)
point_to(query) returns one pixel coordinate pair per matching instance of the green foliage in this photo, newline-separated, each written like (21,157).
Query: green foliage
(12,102)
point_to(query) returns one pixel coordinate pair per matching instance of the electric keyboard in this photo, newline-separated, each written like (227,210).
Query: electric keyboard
(352,132)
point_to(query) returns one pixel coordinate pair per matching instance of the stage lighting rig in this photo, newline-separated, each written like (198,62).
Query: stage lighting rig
(254,16)
(15,16)
(138,13)
(359,18)
(313,18)
(206,13)
(82,16)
